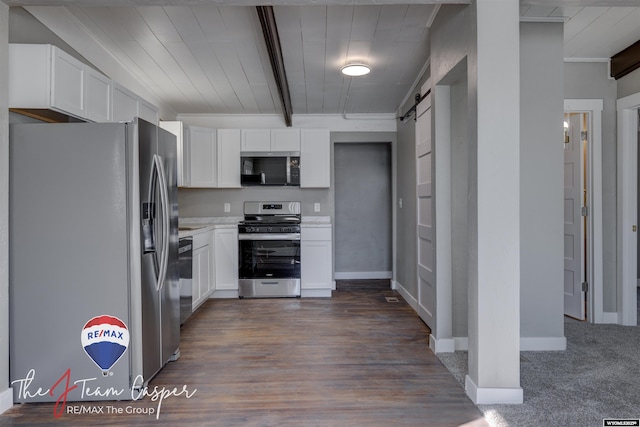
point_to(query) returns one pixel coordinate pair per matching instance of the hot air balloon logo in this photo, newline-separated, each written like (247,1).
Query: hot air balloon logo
(105,339)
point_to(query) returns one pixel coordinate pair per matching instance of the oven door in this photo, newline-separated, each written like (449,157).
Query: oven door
(269,255)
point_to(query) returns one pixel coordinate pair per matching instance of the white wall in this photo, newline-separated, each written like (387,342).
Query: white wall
(541,186)
(6,396)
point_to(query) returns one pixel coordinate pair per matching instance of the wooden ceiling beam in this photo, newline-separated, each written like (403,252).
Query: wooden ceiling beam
(625,61)
(271,38)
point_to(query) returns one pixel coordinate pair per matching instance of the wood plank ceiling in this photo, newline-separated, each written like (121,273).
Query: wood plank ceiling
(211,58)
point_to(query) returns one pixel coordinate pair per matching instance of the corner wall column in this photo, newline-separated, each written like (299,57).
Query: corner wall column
(494,259)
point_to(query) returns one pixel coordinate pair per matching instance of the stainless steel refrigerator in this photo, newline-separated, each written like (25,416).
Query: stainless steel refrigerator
(93,264)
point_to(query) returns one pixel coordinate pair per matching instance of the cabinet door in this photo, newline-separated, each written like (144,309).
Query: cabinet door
(315,158)
(226,255)
(179,129)
(67,83)
(125,104)
(315,264)
(285,139)
(147,111)
(256,139)
(202,154)
(229,158)
(98,93)
(201,275)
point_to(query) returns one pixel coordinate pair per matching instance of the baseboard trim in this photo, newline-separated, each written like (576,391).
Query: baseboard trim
(610,317)
(405,294)
(315,293)
(224,294)
(355,275)
(448,345)
(543,343)
(461,343)
(491,396)
(6,400)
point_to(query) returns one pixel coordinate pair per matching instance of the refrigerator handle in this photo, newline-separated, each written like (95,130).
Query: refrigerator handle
(164,204)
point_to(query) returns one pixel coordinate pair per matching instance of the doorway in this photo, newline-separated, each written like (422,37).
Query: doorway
(586,116)
(576,205)
(363,211)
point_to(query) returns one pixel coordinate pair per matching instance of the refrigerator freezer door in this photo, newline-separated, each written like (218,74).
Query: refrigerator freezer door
(68,251)
(160,274)
(170,294)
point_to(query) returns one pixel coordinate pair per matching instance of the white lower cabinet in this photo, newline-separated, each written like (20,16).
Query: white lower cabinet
(201,284)
(316,261)
(226,259)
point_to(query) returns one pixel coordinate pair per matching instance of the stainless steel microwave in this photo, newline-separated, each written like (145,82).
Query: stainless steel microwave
(277,168)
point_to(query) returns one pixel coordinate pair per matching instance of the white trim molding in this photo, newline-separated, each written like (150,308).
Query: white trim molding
(356,275)
(442,345)
(610,317)
(594,108)
(410,299)
(6,400)
(627,190)
(543,343)
(315,293)
(489,396)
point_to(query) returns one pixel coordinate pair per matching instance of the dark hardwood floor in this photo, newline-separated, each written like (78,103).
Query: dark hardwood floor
(352,360)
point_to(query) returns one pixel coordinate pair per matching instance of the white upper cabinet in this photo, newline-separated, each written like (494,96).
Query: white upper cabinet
(147,111)
(67,83)
(229,158)
(315,158)
(41,76)
(265,140)
(256,139)
(179,129)
(98,96)
(125,104)
(285,139)
(201,146)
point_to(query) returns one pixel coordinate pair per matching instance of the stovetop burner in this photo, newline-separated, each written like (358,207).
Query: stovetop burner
(270,219)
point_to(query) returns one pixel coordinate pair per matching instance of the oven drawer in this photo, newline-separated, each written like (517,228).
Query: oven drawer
(268,288)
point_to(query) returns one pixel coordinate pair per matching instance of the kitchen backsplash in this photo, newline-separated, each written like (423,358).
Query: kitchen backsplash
(211,202)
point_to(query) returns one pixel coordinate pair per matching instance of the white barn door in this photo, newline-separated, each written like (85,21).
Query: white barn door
(425,232)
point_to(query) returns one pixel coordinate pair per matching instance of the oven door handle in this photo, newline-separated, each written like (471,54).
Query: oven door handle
(269,236)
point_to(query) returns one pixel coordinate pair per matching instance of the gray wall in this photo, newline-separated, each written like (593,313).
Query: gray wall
(629,84)
(4,204)
(459,204)
(362,188)
(24,28)
(454,45)
(586,81)
(541,180)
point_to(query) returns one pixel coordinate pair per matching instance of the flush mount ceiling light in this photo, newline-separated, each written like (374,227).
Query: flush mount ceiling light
(355,70)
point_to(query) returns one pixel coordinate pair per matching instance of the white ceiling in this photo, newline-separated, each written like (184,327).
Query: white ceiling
(210,58)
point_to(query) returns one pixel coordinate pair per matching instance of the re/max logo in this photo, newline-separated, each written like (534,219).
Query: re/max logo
(103,333)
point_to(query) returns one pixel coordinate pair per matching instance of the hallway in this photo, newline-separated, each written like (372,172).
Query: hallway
(356,359)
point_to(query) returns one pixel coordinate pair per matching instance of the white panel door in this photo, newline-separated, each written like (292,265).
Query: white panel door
(424,157)
(574,297)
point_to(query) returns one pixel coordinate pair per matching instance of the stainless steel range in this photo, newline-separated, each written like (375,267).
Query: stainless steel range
(269,250)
